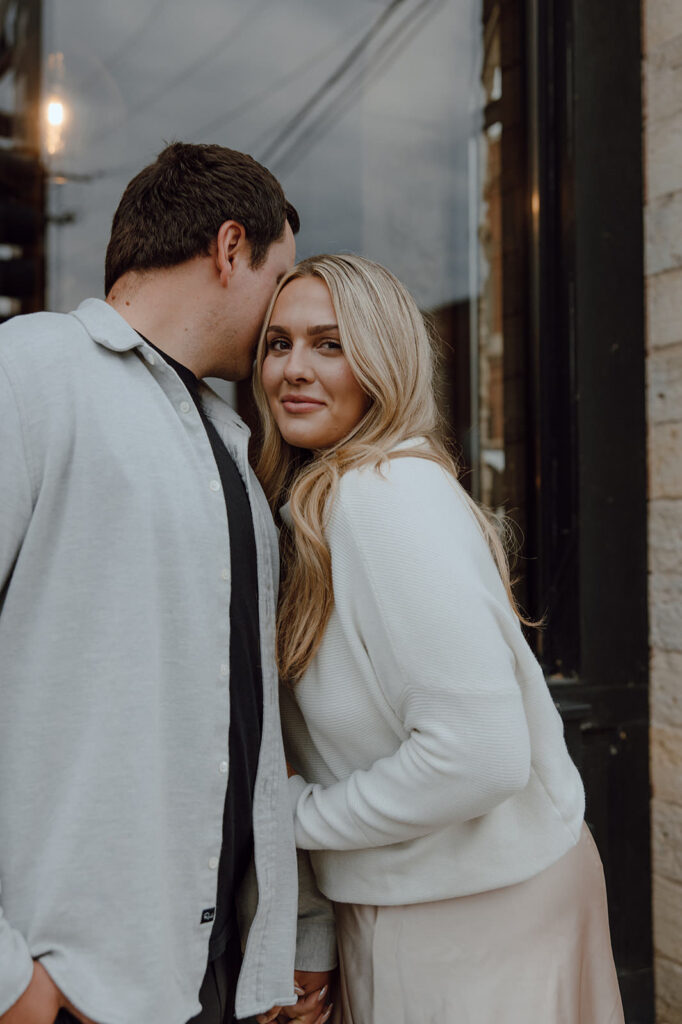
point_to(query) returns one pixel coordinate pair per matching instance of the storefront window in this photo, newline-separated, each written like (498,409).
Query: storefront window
(366,112)
(385,122)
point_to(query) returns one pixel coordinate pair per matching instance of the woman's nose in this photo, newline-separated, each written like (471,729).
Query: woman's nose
(297,367)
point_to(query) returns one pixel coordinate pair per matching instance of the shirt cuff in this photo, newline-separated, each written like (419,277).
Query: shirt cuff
(16,966)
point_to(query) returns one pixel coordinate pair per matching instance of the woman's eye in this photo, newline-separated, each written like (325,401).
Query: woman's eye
(329,343)
(277,344)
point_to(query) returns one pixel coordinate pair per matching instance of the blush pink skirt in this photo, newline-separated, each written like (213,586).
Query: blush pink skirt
(534,953)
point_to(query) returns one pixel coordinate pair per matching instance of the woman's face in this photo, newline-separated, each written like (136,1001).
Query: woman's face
(313,395)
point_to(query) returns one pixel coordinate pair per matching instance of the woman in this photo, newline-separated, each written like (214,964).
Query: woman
(443,813)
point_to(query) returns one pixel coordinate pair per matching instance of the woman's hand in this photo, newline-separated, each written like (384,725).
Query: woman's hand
(313,1006)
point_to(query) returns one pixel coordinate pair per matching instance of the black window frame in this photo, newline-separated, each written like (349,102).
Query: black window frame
(587,480)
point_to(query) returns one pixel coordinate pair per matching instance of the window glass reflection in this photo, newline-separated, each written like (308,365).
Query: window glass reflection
(395,126)
(364,110)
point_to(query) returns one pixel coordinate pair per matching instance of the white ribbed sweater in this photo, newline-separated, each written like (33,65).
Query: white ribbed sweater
(433,753)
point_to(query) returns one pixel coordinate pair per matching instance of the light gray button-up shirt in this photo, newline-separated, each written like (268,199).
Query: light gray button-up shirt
(114,702)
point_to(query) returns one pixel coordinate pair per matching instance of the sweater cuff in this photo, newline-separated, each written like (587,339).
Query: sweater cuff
(316,934)
(316,946)
(297,786)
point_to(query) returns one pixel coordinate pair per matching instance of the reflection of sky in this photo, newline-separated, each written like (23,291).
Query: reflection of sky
(386,174)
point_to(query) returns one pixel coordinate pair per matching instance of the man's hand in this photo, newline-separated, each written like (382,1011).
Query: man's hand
(313,1006)
(41,1002)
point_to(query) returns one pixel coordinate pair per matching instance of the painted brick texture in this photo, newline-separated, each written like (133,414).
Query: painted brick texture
(662,73)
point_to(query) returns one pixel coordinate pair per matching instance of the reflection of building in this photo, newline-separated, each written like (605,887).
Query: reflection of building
(21,174)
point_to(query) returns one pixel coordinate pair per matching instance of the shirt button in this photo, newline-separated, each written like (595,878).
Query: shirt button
(184,407)
(151,359)
(222,767)
(225,575)
(214,485)
(213,863)
(223,669)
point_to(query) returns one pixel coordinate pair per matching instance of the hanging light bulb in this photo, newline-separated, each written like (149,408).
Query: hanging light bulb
(56,116)
(55,113)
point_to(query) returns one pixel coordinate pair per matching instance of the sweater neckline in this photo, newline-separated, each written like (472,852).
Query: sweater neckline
(410,442)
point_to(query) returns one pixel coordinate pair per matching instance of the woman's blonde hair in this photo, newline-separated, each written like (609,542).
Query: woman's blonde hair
(389,349)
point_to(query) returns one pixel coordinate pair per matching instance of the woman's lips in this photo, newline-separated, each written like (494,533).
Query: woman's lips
(300,403)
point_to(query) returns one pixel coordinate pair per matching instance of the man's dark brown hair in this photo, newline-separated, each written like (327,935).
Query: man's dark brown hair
(171,211)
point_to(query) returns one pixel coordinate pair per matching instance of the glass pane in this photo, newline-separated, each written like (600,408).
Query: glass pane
(387,123)
(500,347)
(366,111)
(394,126)
(21,173)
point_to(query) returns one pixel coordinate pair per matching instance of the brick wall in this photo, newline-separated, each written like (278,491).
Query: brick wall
(663,224)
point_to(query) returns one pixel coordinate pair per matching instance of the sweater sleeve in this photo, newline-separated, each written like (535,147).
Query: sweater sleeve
(414,581)
(16,966)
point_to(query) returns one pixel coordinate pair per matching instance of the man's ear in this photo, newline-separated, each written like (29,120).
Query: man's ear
(231,248)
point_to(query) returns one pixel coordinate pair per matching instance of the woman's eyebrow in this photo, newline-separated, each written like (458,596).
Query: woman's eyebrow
(316,329)
(321,328)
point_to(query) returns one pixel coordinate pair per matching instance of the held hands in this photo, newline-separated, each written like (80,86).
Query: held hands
(40,1002)
(313,1006)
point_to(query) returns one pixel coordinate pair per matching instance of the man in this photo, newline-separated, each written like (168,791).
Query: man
(140,753)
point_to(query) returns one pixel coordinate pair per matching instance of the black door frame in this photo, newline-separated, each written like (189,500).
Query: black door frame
(588,478)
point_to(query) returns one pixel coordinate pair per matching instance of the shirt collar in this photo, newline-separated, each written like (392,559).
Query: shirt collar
(109,329)
(189,379)
(106,326)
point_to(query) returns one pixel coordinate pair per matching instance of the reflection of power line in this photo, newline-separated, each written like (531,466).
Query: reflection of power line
(382,58)
(252,101)
(346,64)
(218,48)
(227,116)
(128,44)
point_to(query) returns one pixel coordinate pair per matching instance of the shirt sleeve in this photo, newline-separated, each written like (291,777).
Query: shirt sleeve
(15,492)
(16,965)
(316,931)
(414,580)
